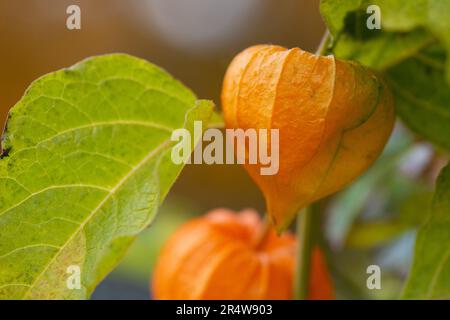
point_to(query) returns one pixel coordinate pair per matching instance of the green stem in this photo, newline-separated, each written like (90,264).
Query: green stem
(324,45)
(304,248)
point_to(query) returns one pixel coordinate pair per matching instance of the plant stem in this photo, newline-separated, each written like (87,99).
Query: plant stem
(324,44)
(304,248)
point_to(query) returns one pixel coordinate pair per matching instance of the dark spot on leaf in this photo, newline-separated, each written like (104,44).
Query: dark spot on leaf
(5,153)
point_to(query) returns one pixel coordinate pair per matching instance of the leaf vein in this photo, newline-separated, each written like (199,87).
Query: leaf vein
(31,246)
(149,156)
(52,188)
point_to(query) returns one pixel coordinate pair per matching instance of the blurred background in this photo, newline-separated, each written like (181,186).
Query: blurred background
(195,40)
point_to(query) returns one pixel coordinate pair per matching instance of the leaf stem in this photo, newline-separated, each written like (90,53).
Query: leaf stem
(304,248)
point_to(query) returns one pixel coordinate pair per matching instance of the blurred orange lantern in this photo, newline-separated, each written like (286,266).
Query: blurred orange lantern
(334,118)
(222,256)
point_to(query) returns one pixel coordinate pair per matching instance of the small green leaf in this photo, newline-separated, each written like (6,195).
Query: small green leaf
(86,164)
(429,277)
(370,234)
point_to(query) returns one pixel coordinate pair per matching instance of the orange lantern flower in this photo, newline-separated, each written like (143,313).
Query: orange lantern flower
(222,256)
(334,118)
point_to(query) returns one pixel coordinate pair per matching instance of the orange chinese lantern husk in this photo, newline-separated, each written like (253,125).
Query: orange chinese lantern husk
(334,118)
(221,256)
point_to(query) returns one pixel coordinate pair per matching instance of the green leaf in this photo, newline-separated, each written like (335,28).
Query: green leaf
(423,96)
(412,213)
(86,164)
(334,13)
(376,233)
(432,15)
(429,277)
(406,25)
(143,253)
(384,50)
(412,49)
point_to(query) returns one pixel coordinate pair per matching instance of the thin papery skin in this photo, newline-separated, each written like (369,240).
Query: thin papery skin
(334,119)
(218,256)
